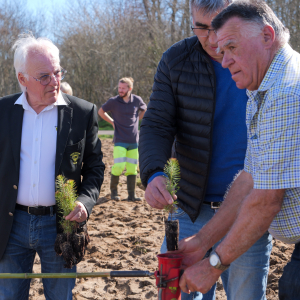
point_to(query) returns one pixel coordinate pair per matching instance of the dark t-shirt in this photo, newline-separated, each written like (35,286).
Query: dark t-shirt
(126,117)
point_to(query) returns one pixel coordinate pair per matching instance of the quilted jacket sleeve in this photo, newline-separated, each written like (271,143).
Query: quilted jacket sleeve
(158,127)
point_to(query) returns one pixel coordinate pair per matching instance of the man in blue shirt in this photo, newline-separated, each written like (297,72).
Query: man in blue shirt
(195,101)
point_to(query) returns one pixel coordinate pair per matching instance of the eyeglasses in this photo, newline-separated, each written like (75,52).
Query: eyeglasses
(202,32)
(46,79)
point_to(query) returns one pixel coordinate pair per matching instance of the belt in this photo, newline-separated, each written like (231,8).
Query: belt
(213,205)
(37,210)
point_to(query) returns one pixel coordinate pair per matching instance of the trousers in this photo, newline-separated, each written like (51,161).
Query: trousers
(289,283)
(125,155)
(30,235)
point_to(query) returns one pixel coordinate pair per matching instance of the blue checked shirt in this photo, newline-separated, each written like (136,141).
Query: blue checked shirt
(273,130)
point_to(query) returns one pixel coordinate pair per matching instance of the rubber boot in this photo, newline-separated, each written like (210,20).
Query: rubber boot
(114,187)
(131,183)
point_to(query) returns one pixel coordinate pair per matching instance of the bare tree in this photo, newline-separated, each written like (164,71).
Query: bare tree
(13,21)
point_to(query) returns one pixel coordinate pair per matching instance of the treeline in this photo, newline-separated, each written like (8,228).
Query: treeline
(102,41)
(100,44)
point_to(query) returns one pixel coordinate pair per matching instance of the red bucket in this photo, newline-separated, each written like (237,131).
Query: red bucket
(167,276)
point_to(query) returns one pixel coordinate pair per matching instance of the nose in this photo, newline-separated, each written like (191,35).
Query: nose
(213,39)
(55,79)
(226,61)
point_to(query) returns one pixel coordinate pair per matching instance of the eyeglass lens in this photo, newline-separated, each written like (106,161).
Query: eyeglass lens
(47,78)
(201,32)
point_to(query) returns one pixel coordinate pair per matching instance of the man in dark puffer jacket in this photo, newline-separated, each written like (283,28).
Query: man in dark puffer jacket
(195,101)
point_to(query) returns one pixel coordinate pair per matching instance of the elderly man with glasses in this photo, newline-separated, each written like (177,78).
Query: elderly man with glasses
(266,194)
(195,101)
(44,133)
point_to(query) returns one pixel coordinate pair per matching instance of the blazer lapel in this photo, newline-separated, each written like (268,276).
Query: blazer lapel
(16,121)
(64,122)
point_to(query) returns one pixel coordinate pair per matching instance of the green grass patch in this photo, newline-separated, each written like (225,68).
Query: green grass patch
(103,125)
(105,136)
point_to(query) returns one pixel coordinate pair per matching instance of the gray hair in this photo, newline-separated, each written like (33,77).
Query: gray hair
(257,14)
(66,88)
(26,43)
(209,6)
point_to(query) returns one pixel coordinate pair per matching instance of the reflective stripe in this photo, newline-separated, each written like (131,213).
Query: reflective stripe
(132,160)
(120,160)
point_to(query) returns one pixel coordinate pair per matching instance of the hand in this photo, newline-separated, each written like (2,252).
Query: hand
(192,250)
(156,193)
(78,214)
(199,277)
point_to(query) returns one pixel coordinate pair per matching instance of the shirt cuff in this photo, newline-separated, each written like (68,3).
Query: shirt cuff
(155,175)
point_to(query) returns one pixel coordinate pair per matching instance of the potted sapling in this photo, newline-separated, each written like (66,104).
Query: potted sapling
(172,170)
(73,239)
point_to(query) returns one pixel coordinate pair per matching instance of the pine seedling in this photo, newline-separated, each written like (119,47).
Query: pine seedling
(172,170)
(65,199)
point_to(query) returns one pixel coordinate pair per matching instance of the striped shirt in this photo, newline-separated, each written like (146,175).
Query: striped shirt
(273,131)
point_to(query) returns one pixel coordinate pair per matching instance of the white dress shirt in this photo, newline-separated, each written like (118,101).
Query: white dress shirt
(38,152)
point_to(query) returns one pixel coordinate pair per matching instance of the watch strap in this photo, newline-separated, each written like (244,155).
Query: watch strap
(219,265)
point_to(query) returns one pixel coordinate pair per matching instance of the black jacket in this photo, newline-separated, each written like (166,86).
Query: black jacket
(181,105)
(77,131)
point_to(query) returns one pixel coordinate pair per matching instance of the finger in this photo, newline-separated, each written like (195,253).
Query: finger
(160,185)
(156,188)
(183,284)
(79,214)
(80,217)
(71,215)
(152,201)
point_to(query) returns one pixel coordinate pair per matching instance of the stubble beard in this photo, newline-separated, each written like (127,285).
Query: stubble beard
(124,95)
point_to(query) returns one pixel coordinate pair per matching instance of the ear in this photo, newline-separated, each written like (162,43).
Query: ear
(130,89)
(22,79)
(268,36)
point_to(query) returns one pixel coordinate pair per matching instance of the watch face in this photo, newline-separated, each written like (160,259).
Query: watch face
(213,259)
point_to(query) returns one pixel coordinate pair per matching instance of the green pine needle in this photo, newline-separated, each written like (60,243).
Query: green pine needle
(66,196)
(172,170)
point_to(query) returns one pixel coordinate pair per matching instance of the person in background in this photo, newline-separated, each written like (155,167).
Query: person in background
(126,110)
(44,134)
(195,101)
(66,88)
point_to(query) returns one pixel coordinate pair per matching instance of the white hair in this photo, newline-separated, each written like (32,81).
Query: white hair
(252,29)
(27,43)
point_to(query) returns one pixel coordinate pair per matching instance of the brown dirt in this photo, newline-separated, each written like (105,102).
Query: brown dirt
(127,235)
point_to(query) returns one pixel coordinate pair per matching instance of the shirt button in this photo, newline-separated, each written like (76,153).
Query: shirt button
(11,214)
(34,185)
(36,139)
(15,187)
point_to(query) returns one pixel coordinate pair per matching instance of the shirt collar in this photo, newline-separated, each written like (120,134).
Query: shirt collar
(22,100)
(281,58)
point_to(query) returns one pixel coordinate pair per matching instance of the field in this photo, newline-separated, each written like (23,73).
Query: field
(127,235)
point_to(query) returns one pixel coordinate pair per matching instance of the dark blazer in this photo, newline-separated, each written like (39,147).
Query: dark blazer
(77,132)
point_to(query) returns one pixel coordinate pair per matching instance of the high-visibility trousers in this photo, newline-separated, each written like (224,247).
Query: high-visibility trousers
(125,157)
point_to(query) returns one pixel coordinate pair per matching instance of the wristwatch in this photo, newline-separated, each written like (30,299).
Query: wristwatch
(215,261)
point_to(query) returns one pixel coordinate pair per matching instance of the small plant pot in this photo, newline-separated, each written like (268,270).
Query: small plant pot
(172,234)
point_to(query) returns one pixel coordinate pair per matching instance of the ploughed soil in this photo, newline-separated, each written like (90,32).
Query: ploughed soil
(126,235)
